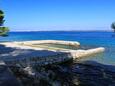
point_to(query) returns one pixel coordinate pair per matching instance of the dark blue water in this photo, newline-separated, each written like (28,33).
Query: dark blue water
(87,39)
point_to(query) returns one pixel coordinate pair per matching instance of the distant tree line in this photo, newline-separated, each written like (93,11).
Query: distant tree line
(3,30)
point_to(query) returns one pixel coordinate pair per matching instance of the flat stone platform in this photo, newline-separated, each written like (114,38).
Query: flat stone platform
(27,52)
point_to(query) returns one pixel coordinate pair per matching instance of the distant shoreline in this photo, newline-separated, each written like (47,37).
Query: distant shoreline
(66,31)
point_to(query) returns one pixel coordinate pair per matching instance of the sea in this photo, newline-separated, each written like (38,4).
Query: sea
(87,39)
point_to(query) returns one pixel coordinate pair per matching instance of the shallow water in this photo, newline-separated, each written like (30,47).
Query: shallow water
(87,39)
(62,46)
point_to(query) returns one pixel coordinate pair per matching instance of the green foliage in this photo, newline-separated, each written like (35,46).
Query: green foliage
(4,31)
(1,12)
(1,17)
(113,26)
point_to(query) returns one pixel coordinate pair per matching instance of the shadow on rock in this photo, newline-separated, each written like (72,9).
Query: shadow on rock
(86,73)
(4,49)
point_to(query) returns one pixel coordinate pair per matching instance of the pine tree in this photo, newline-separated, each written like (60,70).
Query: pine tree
(3,30)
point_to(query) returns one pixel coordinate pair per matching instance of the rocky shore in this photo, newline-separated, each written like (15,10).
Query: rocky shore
(25,53)
(6,76)
(86,73)
(71,73)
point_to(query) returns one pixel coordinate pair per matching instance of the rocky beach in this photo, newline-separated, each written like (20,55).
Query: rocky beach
(72,73)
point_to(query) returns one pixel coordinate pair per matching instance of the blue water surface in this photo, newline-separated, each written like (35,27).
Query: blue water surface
(89,39)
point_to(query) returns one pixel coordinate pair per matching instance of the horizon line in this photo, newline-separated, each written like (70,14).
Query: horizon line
(57,30)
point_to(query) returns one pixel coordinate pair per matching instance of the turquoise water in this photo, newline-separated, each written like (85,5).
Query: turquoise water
(87,40)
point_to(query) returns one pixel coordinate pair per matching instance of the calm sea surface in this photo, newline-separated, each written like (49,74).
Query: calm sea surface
(87,40)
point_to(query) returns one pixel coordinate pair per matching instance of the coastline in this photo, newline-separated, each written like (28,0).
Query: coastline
(73,73)
(87,40)
(44,55)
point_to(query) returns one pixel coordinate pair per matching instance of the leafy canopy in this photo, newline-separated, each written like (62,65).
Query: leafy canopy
(3,30)
(113,25)
(1,17)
